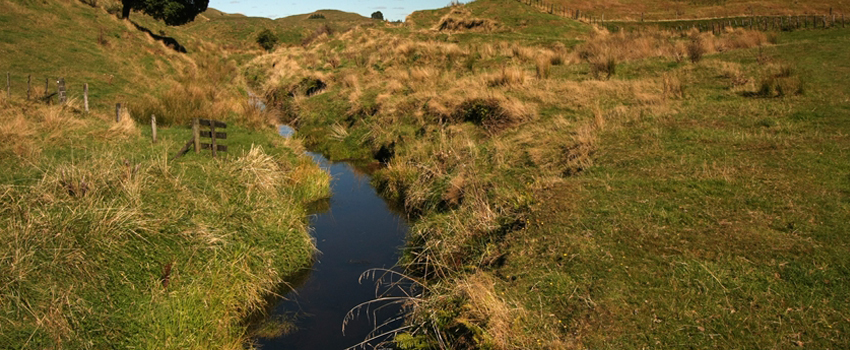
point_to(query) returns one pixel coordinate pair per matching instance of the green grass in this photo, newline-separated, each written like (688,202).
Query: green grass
(230,30)
(97,218)
(93,221)
(710,230)
(516,22)
(616,216)
(619,217)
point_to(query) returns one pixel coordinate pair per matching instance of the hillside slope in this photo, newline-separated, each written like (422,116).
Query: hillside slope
(237,31)
(110,242)
(676,9)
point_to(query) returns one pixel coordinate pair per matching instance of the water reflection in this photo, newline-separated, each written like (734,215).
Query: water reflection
(355,230)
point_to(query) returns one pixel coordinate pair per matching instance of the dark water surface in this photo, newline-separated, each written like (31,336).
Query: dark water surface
(356,232)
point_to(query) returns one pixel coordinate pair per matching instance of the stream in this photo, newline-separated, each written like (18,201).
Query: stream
(356,231)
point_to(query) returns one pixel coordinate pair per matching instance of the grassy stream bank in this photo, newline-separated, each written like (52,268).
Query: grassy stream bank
(575,188)
(107,242)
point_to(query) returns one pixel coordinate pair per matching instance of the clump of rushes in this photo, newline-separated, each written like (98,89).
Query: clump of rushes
(778,80)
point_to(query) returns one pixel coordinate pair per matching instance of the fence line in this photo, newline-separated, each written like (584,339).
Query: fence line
(716,24)
(47,97)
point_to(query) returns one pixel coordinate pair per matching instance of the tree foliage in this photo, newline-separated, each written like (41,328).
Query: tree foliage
(378,15)
(172,12)
(267,39)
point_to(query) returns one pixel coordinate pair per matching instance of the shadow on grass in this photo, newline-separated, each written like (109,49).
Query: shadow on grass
(168,41)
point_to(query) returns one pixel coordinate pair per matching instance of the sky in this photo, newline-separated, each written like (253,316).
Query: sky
(392,9)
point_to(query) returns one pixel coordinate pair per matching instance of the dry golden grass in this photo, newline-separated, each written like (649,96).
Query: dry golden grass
(16,136)
(423,74)
(508,76)
(622,46)
(543,65)
(459,19)
(125,128)
(738,80)
(523,53)
(672,86)
(674,9)
(259,171)
(487,307)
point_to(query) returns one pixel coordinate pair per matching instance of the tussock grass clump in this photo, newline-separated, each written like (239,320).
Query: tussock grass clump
(507,76)
(733,72)
(543,65)
(494,113)
(673,87)
(124,128)
(458,19)
(603,67)
(178,106)
(16,137)
(776,86)
(321,33)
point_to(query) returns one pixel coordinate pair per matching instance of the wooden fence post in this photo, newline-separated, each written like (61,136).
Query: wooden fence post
(824,22)
(153,128)
(60,89)
(86,96)
(117,112)
(212,135)
(196,134)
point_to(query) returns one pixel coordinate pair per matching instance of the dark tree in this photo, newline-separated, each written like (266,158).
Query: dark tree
(378,15)
(172,12)
(267,39)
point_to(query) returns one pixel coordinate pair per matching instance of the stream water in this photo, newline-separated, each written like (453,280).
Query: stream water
(356,231)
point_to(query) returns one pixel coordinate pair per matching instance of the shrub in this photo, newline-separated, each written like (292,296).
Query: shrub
(316,16)
(494,113)
(780,82)
(603,66)
(556,59)
(695,50)
(308,86)
(378,15)
(113,8)
(776,86)
(267,39)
